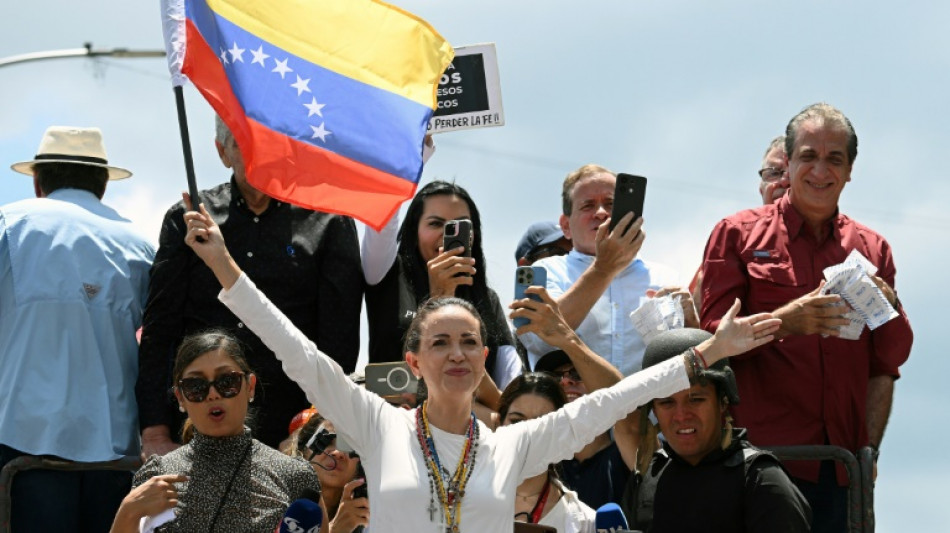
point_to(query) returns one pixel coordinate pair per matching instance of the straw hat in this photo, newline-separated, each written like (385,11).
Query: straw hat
(66,144)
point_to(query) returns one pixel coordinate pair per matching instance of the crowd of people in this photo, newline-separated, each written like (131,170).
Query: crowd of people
(249,312)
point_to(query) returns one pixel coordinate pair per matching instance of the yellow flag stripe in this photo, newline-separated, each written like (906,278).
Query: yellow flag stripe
(366,40)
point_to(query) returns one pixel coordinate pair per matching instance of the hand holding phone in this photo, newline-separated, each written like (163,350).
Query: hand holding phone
(458,233)
(526,276)
(629,194)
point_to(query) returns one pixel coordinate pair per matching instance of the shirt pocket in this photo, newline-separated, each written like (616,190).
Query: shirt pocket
(772,281)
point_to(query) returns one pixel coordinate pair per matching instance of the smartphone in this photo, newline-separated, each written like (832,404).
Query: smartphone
(458,233)
(526,276)
(390,379)
(628,197)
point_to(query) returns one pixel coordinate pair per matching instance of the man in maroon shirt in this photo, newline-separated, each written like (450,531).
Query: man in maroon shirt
(810,387)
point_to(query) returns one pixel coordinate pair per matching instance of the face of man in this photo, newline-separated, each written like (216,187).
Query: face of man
(570,381)
(774,175)
(591,202)
(818,169)
(691,421)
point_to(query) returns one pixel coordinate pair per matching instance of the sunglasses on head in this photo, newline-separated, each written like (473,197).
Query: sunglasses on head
(196,389)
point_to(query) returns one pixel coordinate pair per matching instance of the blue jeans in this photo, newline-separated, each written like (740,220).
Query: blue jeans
(829,502)
(68,502)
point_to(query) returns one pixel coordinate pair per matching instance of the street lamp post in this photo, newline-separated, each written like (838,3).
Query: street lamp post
(86,51)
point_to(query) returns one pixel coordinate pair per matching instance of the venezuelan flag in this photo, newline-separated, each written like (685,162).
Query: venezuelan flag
(328,100)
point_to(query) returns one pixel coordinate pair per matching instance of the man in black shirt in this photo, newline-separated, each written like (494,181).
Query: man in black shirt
(306,262)
(707,477)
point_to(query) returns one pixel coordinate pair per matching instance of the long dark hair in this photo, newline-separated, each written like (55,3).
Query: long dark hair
(416,271)
(408,252)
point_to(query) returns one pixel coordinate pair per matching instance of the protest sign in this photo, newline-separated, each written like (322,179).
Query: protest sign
(469,93)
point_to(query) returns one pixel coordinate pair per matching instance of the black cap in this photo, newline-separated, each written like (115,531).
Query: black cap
(550,361)
(674,342)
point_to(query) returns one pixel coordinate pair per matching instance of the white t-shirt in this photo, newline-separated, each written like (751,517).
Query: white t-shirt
(385,436)
(570,514)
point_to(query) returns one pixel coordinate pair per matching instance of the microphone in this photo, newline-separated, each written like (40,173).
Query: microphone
(303,516)
(610,519)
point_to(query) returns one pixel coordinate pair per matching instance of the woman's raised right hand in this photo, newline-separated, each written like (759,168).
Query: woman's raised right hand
(204,237)
(444,270)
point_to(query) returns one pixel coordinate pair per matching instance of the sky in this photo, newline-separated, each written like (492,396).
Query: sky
(686,93)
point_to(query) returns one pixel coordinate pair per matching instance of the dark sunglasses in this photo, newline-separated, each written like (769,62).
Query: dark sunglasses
(196,389)
(570,374)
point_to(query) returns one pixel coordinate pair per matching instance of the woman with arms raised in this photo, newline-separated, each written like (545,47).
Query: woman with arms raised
(436,468)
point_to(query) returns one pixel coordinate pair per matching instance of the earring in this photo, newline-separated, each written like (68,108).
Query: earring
(181,408)
(251,400)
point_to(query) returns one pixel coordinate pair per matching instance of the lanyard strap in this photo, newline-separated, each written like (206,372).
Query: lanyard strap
(542,499)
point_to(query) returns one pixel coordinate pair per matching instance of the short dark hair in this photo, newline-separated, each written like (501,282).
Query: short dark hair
(54,176)
(826,113)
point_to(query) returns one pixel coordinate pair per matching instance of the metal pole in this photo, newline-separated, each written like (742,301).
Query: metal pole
(85,51)
(186,148)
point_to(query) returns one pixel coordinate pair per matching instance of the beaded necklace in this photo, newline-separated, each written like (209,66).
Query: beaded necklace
(450,490)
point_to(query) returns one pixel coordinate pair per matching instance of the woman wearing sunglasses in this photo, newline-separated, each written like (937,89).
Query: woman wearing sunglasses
(436,468)
(221,479)
(341,478)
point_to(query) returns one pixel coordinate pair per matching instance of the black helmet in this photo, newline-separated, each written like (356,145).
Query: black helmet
(674,342)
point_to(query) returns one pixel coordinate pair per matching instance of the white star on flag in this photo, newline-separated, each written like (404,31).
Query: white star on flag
(224,56)
(259,55)
(315,108)
(320,132)
(282,68)
(301,85)
(237,54)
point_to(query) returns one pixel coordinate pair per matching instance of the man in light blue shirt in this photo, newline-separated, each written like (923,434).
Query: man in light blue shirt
(601,281)
(73,279)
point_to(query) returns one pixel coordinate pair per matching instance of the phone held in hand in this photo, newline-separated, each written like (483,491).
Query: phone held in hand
(526,276)
(456,234)
(629,193)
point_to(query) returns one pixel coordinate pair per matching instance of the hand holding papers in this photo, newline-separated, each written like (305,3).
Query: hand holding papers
(852,281)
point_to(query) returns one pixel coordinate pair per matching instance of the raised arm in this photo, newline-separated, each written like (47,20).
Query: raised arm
(615,251)
(558,435)
(353,410)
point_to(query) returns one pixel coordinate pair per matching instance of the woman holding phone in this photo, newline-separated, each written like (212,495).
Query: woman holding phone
(437,468)
(416,268)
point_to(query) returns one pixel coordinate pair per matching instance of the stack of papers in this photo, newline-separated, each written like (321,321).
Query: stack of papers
(657,315)
(852,281)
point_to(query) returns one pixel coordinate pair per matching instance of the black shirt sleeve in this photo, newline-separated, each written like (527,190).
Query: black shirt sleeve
(339,293)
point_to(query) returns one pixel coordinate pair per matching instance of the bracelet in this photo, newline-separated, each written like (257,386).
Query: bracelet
(692,364)
(701,358)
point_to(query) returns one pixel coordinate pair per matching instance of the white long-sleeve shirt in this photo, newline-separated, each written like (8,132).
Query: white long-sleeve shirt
(385,436)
